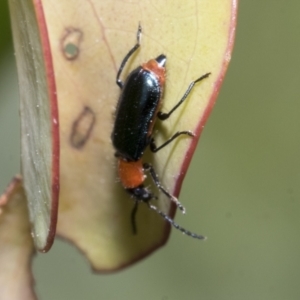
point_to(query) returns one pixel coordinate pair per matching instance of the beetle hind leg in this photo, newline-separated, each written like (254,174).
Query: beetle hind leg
(128,55)
(163,116)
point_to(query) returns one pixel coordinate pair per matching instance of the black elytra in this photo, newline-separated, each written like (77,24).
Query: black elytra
(136,113)
(136,110)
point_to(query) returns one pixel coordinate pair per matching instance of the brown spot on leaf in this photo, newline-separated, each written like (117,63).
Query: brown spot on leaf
(82,128)
(70,43)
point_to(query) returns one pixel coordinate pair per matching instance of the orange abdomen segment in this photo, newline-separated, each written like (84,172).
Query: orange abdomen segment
(160,72)
(131,173)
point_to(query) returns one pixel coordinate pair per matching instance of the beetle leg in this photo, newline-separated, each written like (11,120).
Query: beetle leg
(163,116)
(154,148)
(136,46)
(133,216)
(148,167)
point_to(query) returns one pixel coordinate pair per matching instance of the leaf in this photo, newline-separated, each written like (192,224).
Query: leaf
(88,41)
(16,246)
(39,118)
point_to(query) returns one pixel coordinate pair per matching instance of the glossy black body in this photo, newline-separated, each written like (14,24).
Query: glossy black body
(135,113)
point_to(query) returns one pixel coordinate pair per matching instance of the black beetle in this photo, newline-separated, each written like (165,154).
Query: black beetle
(136,113)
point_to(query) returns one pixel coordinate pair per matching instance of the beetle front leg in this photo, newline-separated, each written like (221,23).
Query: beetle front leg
(133,216)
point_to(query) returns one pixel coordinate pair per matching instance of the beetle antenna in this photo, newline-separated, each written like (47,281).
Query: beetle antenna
(171,221)
(148,167)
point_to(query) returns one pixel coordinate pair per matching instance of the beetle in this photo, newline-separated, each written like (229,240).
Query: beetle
(136,112)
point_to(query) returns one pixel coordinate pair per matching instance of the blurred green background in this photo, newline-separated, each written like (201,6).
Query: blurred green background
(242,189)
